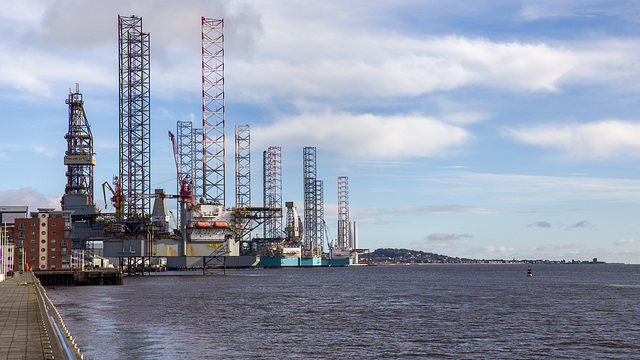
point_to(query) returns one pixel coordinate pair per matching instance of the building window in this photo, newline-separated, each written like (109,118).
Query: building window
(64,242)
(53,249)
(44,216)
(44,233)
(63,251)
(43,241)
(53,258)
(33,224)
(21,235)
(32,249)
(53,233)
(33,241)
(44,224)
(33,258)
(53,224)
(43,249)
(33,233)
(42,267)
(43,258)
(21,226)
(53,240)
(53,266)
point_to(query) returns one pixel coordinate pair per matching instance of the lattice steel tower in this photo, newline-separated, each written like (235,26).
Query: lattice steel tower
(243,166)
(273,190)
(320,225)
(343,213)
(213,110)
(135,122)
(185,145)
(310,202)
(197,164)
(79,155)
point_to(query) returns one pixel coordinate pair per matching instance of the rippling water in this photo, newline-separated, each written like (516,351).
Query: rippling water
(374,312)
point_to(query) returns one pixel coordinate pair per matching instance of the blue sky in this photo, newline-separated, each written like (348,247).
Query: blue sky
(483,129)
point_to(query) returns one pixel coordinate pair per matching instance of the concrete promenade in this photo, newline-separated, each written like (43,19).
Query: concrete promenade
(28,330)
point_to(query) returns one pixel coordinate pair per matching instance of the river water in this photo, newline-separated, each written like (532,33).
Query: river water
(369,312)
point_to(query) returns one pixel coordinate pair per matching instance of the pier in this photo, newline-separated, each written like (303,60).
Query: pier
(30,326)
(80,277)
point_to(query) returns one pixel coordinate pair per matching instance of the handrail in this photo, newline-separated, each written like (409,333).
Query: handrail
(69,349)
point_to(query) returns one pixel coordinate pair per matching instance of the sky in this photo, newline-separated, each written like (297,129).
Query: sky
(480,129)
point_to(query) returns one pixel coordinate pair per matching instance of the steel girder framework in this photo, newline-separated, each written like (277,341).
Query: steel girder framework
(79,156)
(198,163)
(310,204)
(135,124)
(213,110)
(243,166)
(320,215)
(273,191)
(185,144)
(343,213)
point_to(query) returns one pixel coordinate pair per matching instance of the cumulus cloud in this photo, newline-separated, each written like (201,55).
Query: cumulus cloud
(365,135)
(270,60)
(625,241)
(29,197)
(590,141)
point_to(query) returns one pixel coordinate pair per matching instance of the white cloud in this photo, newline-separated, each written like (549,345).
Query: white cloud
(591,141)
(365,135)
(442,210)
(497,249)
(339,57)
(518,188)
(624,241)
(29,197)
(442,237)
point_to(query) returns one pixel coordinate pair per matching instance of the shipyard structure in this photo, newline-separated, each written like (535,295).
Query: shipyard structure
(206,232)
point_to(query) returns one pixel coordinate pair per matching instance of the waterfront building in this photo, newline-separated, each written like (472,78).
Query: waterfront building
(45,239)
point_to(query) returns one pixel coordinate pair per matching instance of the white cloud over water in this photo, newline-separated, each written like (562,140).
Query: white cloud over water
(587,141)
(366,136)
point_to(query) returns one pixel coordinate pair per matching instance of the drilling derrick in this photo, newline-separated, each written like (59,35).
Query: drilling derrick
(243,166)
(79,159)
(134,144)
(310,203)
(213,110)
(79,156)
(343,213)
(319,216)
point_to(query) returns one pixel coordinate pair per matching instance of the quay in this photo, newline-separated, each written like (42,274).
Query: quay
(30,326)
(77,277)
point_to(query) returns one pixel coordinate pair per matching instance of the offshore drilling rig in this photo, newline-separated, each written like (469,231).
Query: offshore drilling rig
(207,233)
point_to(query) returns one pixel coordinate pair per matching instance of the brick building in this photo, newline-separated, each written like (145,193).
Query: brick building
(45,239)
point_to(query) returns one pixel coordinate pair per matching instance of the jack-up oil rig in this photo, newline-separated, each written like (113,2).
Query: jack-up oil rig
(207,234)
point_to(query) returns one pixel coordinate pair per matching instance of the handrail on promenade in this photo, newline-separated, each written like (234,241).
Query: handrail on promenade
(68,347)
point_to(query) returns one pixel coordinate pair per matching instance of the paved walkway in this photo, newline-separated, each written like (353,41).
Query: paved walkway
(22,330)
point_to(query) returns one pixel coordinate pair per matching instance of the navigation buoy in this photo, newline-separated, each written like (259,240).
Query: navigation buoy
(529,271)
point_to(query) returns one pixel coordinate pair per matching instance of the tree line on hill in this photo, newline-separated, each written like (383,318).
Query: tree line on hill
(406,256)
